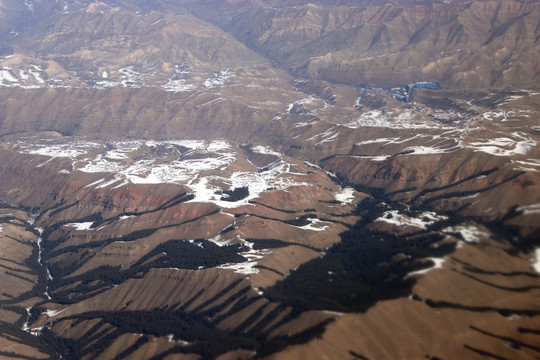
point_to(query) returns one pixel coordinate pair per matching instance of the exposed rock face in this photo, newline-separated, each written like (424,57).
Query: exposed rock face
(260,178)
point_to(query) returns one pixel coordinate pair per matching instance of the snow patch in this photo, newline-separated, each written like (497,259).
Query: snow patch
(375,141)
(219,79)
(53,313)
(70,150)
(536,261)
(346,195)
(470,233)
(175,161)
(530,209)
(399,119)
(301,102)
(80,226)
(179,85)
(312,225)
(125,217)
(422,221)
(247,267)
(264,150)
(177,82)
(438,263)
(424,150)
(506,146)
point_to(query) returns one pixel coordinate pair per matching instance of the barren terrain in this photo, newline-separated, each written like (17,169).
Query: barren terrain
(268,179)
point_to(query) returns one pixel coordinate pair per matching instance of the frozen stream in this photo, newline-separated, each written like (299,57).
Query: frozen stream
(26,327)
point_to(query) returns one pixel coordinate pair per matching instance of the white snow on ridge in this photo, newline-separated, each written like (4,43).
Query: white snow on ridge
(425,150)
(179,85)
(470,233)
(424,219)
(256,182)
(529,162)
(36,74)
(195,145)
(536,261)
(530,209)
(29,5)
(176,83)
(346,195)
(6,75)
(505,146)
(375,141)
(401,119)
(131,78)
(311,226)
(326,136)
(264,150)
(71,150)
(219,79)
(215,146)
(500,115)
(329,137)
(371,158)
(438,263)
(120,150)
(304,101)
(375,118)
(105,184)
(80,226)
(511,98)
(150,169)
(247,267)
(31,77)
(104,84)
(53,313)
(176,161)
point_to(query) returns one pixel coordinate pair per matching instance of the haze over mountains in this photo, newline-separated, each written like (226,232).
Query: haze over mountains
(238,179)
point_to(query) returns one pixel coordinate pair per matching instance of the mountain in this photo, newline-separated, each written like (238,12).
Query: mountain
(269,179)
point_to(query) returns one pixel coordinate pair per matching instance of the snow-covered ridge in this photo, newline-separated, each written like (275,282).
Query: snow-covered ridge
(346,195)
(450,140)
(437,264)
(402,119)
(207,168)
(80,226)
(517,143)
(469,232)
(34,76)
(532,209)
(248,267)
(219,79)
(536,261)
(423,220)
(31,77)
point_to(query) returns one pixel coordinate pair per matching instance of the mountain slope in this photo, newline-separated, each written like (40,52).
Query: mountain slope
(472,45)
(269,179)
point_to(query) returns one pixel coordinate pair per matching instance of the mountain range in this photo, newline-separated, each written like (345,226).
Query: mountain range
(269,179)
